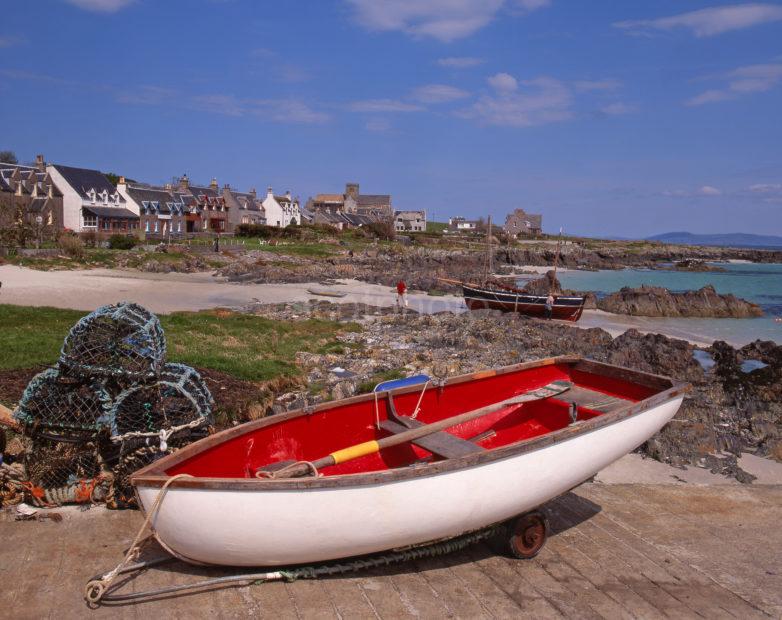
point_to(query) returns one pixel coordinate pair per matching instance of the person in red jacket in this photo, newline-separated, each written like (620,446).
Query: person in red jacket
(401,294)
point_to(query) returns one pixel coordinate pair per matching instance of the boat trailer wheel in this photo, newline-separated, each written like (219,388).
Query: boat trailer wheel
(527,535)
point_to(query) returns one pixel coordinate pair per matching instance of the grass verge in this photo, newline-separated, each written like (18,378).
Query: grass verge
(245,346)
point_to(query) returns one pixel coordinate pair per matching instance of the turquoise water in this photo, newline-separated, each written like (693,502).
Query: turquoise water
(759,283)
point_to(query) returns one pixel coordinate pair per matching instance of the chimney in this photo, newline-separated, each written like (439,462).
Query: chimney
(40,163)
(213,183)
(184,182)
(169,187)
(351,189)
(121,180)
(288,195)
(269,191)
(253,193)
(226,186)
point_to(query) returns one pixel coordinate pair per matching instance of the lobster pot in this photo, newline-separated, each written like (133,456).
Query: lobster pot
(179,398)
(139,452)
(63,407)
(123,340)
(62,473)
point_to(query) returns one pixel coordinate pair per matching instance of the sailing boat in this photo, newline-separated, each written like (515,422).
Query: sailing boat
(496,296)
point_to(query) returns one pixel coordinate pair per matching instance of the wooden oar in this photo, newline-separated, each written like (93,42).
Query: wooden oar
(296,470)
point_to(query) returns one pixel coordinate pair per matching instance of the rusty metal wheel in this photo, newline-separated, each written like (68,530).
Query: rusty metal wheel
(527,535)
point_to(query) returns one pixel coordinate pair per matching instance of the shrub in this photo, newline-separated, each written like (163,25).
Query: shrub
(90,238)
(382,230)
(121,242)
(72,245)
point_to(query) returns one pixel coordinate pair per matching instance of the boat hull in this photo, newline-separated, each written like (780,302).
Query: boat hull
(565,308)
(274,527)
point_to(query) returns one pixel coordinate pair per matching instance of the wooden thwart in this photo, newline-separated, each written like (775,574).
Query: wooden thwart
(442,444)
(596,401)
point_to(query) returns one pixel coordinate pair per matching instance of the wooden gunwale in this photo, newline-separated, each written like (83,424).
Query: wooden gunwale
(154,474)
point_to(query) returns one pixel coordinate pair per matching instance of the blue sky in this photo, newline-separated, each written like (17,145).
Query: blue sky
(611,118)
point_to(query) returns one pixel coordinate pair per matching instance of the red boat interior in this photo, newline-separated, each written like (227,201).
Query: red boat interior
(310,437)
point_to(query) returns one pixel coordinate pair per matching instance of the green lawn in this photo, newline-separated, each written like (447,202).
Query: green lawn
(245,346)
(436,227)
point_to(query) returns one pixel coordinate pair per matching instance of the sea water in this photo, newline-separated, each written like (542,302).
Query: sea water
(760,283)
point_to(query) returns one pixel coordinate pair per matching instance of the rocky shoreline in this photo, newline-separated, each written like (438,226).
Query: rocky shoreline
(730,410)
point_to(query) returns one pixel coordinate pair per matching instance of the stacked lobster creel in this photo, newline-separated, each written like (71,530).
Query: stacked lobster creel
(110,406)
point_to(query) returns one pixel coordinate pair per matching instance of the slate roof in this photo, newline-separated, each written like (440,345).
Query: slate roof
(84,179)
(368,200)
(209,192)
(117,213)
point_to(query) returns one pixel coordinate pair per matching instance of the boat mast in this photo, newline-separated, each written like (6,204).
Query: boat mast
(556,261)
(487,266)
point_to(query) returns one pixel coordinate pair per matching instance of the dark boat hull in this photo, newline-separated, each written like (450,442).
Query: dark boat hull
(566,308)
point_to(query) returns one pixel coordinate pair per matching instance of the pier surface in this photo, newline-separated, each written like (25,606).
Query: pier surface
(615,551)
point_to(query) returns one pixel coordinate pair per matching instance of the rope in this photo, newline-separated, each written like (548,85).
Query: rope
(377,414)
(309,572)
(420,398)
(96,588)
(279,473)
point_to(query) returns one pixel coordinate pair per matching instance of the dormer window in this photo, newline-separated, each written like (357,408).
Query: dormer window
(105,196)
(91,194)
(116,200)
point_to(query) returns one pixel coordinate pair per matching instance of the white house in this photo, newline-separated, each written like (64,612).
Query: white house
(281,211)
(90,202)
(410,221)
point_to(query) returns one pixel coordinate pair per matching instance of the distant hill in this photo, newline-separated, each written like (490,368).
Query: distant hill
(735,240)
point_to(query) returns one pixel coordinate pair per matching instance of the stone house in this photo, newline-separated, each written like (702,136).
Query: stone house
(523,224)
(91,202)
(28,193)
(281,211)
(410,221)
(205,207)
(243,207)
(161,212)
(377,206)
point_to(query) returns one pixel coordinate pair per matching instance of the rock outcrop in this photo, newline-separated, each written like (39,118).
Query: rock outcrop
(660,302)
(728,411)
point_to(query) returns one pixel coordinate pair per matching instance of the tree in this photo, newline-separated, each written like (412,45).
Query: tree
(8,157)
(114,178)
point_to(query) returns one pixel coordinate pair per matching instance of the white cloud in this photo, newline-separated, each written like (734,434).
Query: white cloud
(460,62)
(378,125)
(766,188)
(438,93)
(101,6)
(503,82)
(384,105)
(538,102)
(710,21)
(445,20)
(618,108)
(147,95)
(741,81)
(705,190)
(601,85)
(6,41)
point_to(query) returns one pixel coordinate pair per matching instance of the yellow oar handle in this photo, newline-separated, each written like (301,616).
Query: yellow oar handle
(354,452)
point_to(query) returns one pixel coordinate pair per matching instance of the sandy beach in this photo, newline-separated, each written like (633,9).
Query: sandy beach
(172,292)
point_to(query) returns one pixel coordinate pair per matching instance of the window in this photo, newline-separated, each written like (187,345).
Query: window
(156,225)
(116,200)
(90,221)
(105,224)
(146,226)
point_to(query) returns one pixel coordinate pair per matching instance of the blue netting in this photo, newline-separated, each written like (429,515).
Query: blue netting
(123,340)
(111,405)
(64,405)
